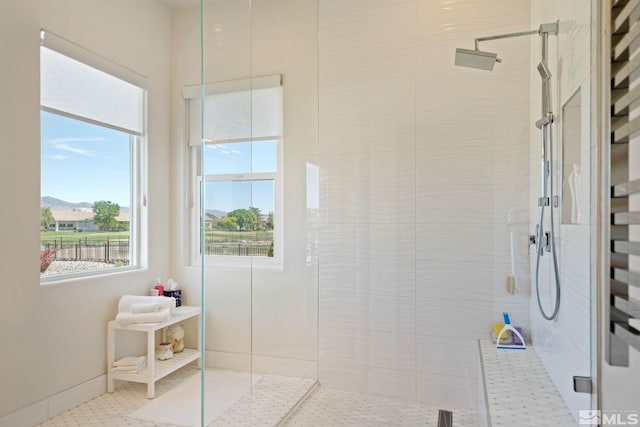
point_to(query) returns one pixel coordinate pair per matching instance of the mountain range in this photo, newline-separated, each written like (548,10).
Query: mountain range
(62,205)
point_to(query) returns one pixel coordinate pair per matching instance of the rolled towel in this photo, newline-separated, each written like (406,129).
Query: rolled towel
(124,305)
(129,361)
(144,307)
(128,318)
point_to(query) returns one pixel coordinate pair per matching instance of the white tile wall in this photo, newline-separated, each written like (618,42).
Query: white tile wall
(376,259)
(421,162)
(564,345)
(448,391)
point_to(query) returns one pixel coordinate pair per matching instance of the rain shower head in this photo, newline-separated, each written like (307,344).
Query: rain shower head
(476,59)
(486,60)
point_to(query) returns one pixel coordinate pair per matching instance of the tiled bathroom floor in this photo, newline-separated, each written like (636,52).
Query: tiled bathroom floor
(271,399)
(329,407)
(111,409)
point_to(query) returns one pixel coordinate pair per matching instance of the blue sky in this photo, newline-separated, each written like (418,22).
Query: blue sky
(82,162)
(240,158)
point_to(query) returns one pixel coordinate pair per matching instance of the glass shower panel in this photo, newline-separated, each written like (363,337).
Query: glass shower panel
(259,207)
(285,280)
(227,228)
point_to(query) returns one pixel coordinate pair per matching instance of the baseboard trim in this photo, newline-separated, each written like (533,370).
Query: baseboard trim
(56,404)
(243,362)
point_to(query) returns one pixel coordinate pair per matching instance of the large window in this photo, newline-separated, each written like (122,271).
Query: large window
(238,162)
(92,138)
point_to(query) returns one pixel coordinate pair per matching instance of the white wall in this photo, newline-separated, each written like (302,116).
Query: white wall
(564,345)
(58,332)
(272,313)
(421,162)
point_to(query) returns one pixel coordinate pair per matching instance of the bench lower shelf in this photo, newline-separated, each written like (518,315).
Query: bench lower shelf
(162,367)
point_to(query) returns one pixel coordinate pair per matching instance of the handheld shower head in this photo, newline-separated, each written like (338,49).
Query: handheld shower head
(476,59)
(545,74)
(544,71)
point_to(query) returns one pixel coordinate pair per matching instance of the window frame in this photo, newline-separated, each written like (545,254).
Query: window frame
(232,261)
(138,146)
(194,178)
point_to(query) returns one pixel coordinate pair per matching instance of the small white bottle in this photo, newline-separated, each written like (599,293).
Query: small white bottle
(574,188)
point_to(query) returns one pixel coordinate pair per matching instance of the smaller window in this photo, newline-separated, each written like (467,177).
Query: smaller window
(240,167)
(239,207)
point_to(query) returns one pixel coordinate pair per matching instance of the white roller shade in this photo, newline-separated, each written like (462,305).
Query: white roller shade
(238,110)
(75,89)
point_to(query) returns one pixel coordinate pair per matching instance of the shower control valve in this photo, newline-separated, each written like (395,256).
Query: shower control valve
(547,241)
(543,201)
(532,242)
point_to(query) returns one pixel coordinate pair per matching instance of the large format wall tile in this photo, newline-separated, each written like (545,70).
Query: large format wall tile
(563,345)
(421,164)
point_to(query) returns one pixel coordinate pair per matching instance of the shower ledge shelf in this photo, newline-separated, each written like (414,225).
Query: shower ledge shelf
(156,369)
(517,385)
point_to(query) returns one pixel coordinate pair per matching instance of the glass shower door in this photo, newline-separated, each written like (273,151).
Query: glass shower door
(259,209)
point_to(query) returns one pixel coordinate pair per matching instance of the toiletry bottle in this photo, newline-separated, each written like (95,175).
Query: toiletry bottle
(159,287)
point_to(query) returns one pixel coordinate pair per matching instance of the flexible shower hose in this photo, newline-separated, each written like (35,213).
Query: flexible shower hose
(552,236)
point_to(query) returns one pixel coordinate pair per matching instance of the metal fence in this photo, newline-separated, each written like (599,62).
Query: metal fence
(117,250)
(245,248)
(109,251)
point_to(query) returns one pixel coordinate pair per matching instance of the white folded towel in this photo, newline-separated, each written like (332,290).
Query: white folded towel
(129,361)
(130,369)
(148,307)
(129,364)
(125,303)
(156,317)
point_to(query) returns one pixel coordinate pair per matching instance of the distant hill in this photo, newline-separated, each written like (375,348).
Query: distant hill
(217,213)
(61,205)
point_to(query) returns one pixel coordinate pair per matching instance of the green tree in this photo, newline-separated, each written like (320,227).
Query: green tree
(122,226)
(212,219)
(104,215)
(46,218)
(258,214)
(246,219)
(229,223)
(269,223)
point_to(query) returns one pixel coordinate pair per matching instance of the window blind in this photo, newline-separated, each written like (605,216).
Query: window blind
(236,110)
(79,89)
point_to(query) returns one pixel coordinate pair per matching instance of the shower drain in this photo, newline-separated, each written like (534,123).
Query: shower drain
(445,418)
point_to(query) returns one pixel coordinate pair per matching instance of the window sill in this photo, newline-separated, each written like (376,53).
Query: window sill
(240,263)
(64,278)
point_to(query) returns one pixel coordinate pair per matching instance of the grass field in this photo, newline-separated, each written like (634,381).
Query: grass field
(234,236)
(91,236)
(103,236)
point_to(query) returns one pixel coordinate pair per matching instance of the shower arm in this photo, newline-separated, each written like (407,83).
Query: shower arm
(504,36)
(545,29)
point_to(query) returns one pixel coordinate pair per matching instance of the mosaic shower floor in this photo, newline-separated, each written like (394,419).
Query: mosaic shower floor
(328,407)
(270,401)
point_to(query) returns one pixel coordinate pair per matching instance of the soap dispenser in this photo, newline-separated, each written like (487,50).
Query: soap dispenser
(159,287)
